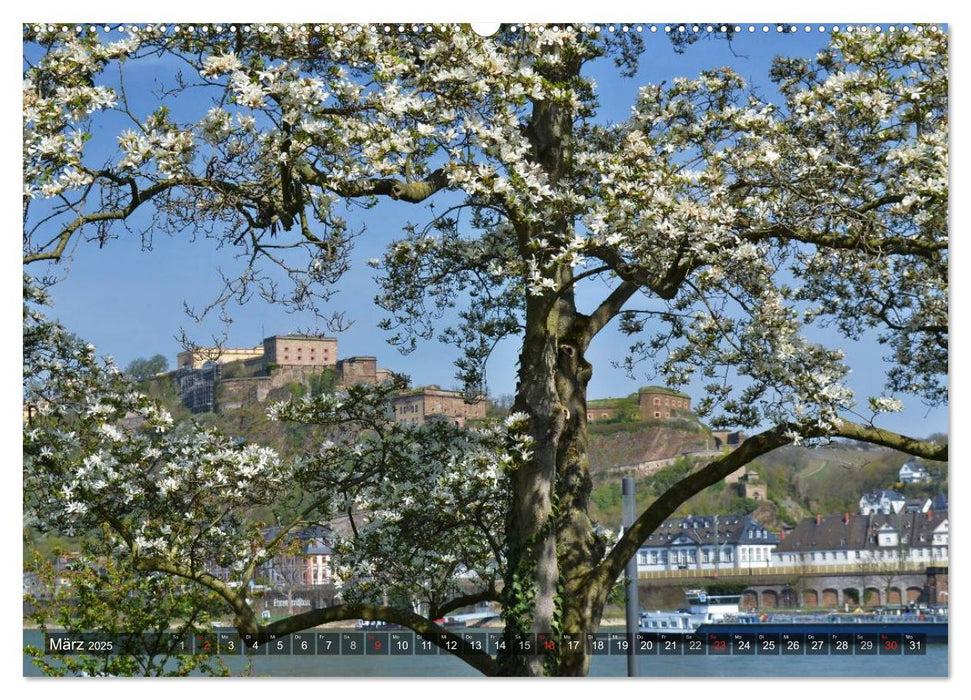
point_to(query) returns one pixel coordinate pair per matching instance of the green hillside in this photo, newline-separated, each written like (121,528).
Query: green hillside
(800,482)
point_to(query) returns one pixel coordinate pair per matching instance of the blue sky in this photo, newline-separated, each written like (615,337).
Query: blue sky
(129,302)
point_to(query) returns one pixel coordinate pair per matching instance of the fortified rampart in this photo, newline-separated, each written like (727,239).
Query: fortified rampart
(829,588)
(230,378)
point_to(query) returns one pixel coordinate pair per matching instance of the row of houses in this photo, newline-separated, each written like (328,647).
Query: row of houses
(867,539)
(888,502)
(691,543)
(739,542)
(707,542)
(306,561)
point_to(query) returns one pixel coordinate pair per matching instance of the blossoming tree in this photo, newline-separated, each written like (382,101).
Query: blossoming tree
(719,228)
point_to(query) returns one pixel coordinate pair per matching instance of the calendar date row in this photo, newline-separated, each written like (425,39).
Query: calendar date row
(400,643)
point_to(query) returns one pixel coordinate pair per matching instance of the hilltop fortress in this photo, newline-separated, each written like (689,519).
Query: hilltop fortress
(650,402)
(218,378)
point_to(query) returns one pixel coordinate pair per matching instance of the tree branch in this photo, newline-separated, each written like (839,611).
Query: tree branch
(665,288)
(895,441)
(138,198)
(422,626)
(613,565)
(246,621)
(897,245)
(235,598)
(610,307)
(462,601)
(414,192)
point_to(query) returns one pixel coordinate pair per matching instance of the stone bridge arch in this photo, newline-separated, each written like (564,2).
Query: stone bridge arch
(851,596)
(871,596)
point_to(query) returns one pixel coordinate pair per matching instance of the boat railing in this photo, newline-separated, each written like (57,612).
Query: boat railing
(838,618)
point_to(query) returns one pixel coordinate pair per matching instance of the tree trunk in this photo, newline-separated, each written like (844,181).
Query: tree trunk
(550,539)
(532,572)
(552,545)
(578,548)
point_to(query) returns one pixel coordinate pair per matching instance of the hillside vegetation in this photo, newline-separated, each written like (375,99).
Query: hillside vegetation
(800,482)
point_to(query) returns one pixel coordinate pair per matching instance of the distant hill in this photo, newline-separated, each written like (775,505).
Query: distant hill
(801,482)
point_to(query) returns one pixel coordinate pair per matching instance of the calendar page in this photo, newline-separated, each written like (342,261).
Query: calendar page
(468,350)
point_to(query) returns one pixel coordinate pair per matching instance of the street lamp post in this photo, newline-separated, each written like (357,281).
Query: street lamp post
(633,608)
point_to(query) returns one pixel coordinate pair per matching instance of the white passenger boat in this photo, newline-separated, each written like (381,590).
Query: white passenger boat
(702,609)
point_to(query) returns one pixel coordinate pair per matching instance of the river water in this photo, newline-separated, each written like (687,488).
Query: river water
(934,663)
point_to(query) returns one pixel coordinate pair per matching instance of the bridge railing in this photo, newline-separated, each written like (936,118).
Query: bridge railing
(803,570)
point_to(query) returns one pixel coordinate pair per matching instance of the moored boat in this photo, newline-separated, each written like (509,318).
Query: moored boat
(376,626)
(932,626)
(721,615)
(702,609)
